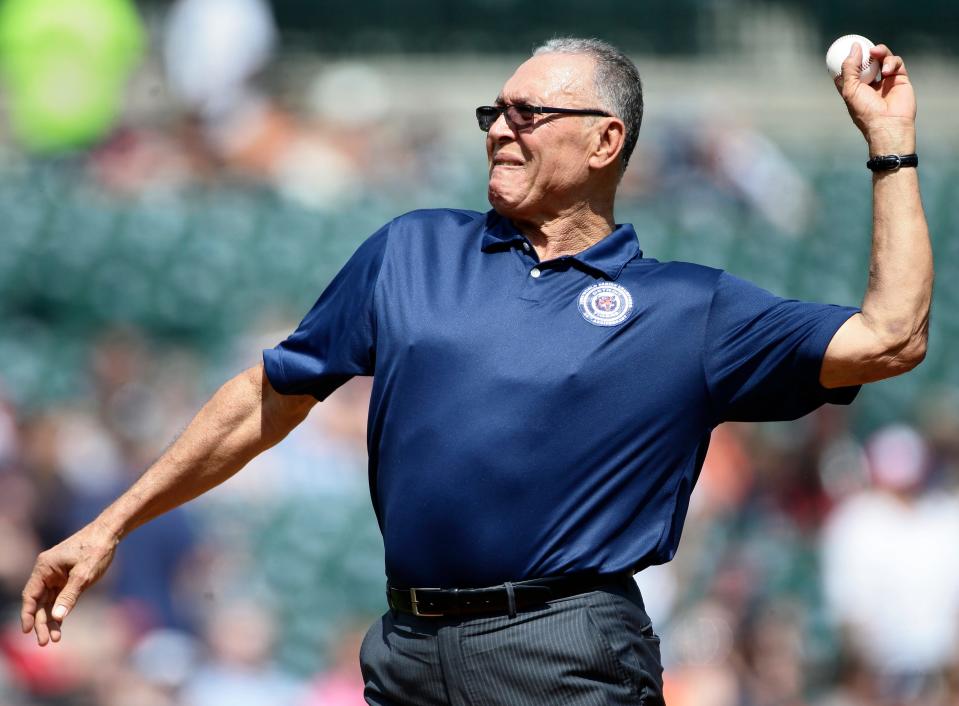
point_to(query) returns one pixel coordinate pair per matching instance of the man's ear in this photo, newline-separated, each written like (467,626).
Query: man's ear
(609,143)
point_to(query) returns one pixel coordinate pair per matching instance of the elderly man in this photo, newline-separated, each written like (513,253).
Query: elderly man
(543,396)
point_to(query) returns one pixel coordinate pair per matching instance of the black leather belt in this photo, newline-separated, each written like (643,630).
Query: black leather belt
(505,598)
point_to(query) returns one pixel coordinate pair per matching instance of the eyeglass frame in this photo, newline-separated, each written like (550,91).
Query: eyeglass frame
(491,113)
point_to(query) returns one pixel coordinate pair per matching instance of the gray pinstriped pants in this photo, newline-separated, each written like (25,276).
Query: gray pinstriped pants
(592,649)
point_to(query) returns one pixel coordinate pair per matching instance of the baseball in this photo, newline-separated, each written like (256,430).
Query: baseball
(839,50)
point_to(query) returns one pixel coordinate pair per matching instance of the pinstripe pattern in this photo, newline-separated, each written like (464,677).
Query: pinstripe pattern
(594,649)
(401,663)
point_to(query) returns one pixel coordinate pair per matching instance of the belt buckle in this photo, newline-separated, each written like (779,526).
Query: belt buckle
(415,603)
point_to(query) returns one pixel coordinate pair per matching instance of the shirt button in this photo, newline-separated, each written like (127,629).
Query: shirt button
(534,273)
(526,247)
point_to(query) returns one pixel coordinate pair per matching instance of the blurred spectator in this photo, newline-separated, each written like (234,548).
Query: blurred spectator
(890,569)
(699,662)
(342,683)
(17,509)
(711,168)
(160,664)
(939,420)
(763,176)
(855,682)
(17,537)
(65,65)
(771,656)
(213,52)
(8,432)
(138,160)
(239,669)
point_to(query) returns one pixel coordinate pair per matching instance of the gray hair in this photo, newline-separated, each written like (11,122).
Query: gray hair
(617,81)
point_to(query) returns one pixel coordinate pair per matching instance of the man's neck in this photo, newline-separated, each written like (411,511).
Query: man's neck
(567,232)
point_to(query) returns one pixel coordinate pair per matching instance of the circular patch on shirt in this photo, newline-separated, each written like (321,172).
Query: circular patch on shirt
(605,304)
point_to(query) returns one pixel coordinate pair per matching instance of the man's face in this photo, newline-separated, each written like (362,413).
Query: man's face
(540,169)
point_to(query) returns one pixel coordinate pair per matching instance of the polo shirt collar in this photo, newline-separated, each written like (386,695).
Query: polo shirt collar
(608,256)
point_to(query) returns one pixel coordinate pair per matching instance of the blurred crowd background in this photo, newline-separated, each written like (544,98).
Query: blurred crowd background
(178,182)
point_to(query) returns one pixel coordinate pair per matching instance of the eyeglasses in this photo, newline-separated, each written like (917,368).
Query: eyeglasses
(521,115)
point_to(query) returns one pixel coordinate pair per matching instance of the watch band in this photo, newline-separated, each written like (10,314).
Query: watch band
(891,162)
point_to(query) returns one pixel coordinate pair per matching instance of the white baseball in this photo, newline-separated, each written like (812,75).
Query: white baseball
(839,50)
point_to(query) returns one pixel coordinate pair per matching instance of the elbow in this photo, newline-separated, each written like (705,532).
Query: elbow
(915,352)
(906,355)
(901,345)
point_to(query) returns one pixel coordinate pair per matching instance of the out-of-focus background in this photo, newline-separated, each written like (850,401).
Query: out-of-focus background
(178,182)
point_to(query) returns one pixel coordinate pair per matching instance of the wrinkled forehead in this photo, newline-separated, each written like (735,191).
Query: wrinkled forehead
(562,80)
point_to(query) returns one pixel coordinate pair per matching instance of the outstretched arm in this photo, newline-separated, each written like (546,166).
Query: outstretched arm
(245,417)
(889,336)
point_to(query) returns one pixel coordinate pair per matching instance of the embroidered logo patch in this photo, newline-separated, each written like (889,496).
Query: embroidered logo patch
(605,304)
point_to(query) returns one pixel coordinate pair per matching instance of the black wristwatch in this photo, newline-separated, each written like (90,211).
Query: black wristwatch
(891,162)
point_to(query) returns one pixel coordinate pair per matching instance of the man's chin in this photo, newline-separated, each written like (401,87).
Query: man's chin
(502,203)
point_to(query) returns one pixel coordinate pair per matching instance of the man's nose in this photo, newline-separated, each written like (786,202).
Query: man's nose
(501,127)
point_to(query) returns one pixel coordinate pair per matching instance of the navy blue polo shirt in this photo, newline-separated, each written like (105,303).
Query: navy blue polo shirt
(537,418)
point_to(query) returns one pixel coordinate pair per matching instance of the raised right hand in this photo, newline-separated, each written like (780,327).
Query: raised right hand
(885,112)
(59,576)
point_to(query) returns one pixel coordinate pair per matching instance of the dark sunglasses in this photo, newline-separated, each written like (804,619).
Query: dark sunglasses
(521,115)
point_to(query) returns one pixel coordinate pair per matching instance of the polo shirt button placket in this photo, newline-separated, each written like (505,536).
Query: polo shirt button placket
(535,273)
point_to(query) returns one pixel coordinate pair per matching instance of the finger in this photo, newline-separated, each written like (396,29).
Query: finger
(880,52)
(849,78)
(53,624)
(40,626)
(28,612)
(893,65)
(68,597)
(48,629)
(33,593)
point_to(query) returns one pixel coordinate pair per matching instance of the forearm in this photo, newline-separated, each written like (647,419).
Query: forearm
(243,418)
(897,299)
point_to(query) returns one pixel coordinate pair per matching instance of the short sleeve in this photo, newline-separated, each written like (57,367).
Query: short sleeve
(763,354)
(336,339)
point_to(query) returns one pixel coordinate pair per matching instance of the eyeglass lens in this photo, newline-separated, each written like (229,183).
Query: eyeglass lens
(518,115)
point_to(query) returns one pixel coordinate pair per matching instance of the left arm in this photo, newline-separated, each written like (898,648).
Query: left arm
(889,336)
